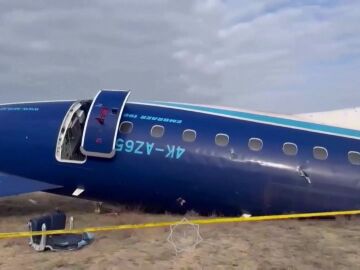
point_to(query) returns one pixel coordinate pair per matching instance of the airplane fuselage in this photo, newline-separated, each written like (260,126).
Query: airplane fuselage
(236,163)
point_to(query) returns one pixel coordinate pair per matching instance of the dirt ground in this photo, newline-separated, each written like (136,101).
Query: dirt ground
(294,244)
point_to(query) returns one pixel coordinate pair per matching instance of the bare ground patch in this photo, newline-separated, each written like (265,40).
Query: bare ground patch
(293,244)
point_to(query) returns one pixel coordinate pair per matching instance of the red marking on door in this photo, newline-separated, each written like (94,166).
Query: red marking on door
(102,115)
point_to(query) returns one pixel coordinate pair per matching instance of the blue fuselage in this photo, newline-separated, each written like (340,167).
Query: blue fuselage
(170,174)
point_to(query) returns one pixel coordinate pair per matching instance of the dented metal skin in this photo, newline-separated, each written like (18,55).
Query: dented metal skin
(206,178)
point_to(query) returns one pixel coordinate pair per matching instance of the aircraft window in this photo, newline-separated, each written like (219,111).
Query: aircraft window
(290,149)
(354,157)
(157,131)
(255,144)
(320,153)
(126,127)
(189,135)
(222,139)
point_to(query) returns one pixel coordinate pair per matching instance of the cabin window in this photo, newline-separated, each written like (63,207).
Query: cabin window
(320,153)
(255,144)
(290,149)
(354,157)
(126,127)
(222,139)
(157,131)
(189,135)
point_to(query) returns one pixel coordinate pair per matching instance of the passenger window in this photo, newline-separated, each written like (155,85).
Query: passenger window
(354,157)
(157,131)
(290,149)
(189,135)
(255,144)
(126,127)
(320,153)
(222,139)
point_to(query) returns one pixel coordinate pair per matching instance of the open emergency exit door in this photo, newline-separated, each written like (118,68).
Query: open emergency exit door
(102,123)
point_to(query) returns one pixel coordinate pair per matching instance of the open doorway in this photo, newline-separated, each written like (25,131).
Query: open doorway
(71,132)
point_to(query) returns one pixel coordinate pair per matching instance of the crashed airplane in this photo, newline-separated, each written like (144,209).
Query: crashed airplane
(166,156)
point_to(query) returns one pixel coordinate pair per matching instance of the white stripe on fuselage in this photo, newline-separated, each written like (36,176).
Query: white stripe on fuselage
(352,133)
(337,131)
(34,102)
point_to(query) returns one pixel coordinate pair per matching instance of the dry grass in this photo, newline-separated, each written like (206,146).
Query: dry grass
(306,244)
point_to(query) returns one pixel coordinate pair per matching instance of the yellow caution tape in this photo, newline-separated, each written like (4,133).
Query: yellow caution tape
(169,223)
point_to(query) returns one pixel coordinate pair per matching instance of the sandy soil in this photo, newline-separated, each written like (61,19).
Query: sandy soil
(304,244)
